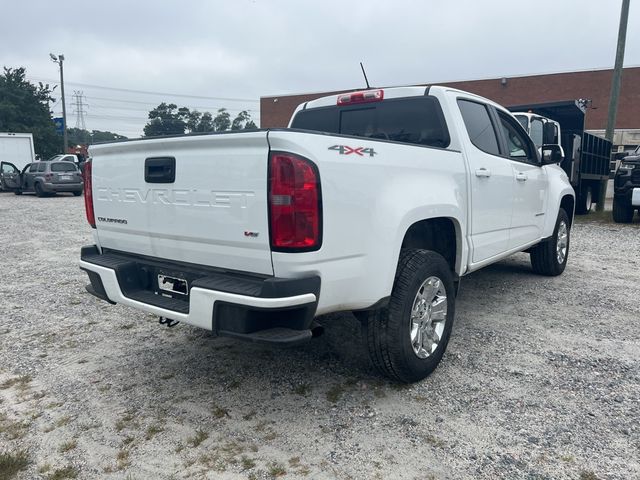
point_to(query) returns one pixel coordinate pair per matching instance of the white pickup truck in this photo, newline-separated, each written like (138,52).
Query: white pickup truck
(375,202)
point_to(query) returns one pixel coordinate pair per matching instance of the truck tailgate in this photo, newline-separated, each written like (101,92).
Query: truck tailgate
(214,212)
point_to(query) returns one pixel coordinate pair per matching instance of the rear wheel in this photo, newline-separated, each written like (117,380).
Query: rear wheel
(17,192)
(550,257)
(622,211)
(38,188)
(585,200)
(77,194)
(407,339)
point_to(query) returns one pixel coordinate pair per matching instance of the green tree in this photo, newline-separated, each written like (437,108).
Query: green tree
(78,136)
(24,108)
(243,121)
(222,121)
(166,119)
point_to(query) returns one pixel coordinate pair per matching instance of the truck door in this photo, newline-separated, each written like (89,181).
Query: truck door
(9,177)
(530,186)
(491,180)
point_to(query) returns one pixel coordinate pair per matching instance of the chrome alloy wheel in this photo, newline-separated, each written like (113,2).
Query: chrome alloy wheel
(562,242)
(428,317)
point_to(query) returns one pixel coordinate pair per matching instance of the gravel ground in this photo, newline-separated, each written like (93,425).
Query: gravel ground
(541,378)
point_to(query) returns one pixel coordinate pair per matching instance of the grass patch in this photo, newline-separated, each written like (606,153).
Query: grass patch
(68,446)
(247,463)
(249,415)
(588,475)
(302,389)
(62,421)
(62,473)
(122,459)
(21,382)
(335,392)
(198,438)
(12,463)
(13,430)
(219,412)
(277,470)
(152,430)
(127,420)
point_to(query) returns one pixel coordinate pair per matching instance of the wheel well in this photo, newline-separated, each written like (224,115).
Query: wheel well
(567,203)
(436,234)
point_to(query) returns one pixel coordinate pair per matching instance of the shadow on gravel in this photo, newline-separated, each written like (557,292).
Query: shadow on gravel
(190,358)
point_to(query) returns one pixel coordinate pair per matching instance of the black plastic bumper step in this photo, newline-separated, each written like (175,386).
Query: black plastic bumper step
(278,335)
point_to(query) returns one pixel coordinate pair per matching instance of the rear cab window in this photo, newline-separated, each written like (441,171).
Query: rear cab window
(412,120)
(63,167)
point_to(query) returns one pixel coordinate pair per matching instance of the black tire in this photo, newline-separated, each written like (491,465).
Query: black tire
(622,211)
(387,331)
(38,188)
(77,194)
(17,192)
(585,200)
(544,257)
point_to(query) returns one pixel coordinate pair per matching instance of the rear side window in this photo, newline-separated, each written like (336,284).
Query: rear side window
(33,168)
(63,167)
(42,167)
(479,127)
(415,120)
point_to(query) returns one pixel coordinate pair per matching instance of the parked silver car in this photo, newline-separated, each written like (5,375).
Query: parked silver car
(43,178)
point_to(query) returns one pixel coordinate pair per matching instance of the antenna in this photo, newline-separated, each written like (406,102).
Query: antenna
(365,75)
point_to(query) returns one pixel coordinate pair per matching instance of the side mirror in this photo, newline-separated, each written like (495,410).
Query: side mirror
(551,154)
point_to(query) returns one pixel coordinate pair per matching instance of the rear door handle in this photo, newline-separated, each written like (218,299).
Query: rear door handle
(521,177)
(483,173)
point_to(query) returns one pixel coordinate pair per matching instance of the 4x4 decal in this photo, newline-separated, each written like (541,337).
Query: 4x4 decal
(346,150)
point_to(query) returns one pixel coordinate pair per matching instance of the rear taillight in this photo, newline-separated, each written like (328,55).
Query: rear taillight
(48,176)
(88,194)
(367,96)
(294,203)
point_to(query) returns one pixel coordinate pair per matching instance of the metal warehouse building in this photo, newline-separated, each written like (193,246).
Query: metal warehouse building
(593,85)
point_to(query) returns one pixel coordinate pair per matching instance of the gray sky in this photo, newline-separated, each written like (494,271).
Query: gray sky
(244,49)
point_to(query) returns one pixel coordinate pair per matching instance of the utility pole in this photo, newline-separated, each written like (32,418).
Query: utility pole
(60,60)
(615,88)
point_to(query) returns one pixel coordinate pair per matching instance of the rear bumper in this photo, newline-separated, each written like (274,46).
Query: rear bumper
(233,304)
(62,187)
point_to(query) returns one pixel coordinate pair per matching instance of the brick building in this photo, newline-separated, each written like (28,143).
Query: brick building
(595,85)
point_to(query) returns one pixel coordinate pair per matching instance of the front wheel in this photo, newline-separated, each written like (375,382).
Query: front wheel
(550,257)
(622,211)
(407,339)
(39,191)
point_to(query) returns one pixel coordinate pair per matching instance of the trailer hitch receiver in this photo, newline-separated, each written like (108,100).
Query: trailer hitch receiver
(168,322)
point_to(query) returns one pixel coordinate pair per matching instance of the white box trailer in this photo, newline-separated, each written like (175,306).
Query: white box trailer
(16,148)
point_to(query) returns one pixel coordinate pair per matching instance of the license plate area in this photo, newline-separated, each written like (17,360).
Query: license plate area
(173,286)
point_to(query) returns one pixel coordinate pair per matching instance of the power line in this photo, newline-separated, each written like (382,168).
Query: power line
(147,109)
(147,92)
